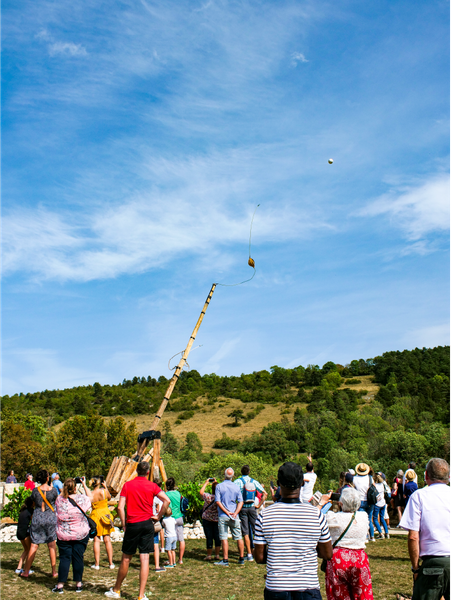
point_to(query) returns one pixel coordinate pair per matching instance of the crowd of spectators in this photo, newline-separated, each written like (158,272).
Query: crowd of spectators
(288,535)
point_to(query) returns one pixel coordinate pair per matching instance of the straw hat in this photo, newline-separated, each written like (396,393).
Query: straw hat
(410,475)
(362,469)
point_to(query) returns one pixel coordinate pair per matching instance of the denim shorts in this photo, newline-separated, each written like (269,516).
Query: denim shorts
(225,523)
(170,543)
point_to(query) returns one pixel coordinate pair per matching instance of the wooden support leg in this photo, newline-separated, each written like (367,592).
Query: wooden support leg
(155,467)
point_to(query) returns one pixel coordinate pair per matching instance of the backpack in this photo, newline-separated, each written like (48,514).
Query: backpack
(249,490)
(184,504)
(372,493)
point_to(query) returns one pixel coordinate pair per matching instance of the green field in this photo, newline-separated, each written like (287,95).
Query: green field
(195,579)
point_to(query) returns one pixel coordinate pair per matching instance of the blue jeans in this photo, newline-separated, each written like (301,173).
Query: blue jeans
(379,510)
(369,511)
(296,595)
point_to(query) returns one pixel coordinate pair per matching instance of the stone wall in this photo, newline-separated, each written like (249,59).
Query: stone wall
(7,488)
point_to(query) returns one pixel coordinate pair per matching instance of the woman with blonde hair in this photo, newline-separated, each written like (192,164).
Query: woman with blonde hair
(72,529)
(102,516)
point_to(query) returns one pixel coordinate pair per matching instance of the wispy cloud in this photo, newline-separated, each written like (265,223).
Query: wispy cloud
(195,208)
(55,47)
(417,210)
(297,57)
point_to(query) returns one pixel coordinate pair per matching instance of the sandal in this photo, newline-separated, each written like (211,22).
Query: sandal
(207,558)
(403,597)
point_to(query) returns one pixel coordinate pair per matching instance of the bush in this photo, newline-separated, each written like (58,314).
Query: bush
(190,491)
(352,381)
(187,414)
(16,500)
(226,443)
(260,470)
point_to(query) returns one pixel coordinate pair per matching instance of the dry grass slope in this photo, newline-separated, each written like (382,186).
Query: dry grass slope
(212,421)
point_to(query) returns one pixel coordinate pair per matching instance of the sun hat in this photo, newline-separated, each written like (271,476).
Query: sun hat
(290,475)
(362,469)
(410,475)
(351,471)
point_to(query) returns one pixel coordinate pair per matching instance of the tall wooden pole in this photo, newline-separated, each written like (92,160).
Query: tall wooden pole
(155,423)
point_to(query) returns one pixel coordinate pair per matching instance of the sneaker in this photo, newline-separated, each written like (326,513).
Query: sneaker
(143,597)
(372,539)
(382,536)
(160,570)
(387,536)
(112,594)
(241,561)
(18,571)
(112,566)
(249,558)
(170,566)
(79,588)
(222,563)
(58,590)
(96,567)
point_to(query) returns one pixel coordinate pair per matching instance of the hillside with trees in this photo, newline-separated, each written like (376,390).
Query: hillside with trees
(385,411)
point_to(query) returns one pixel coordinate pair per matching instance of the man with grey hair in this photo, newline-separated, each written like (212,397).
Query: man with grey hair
(427,518)
(229,502)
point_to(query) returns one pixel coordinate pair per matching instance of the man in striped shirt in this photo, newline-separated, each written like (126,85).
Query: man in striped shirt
(288,537)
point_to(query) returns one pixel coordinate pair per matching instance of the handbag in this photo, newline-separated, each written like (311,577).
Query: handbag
(372,493)
(324,563)
(92,524)
(157,526)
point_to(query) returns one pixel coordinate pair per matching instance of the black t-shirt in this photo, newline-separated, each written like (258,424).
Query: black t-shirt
(23,524)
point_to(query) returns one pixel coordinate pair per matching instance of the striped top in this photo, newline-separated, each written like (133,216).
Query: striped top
(291,532)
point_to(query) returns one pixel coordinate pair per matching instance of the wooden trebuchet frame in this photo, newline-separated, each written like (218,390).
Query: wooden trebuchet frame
(123,468)
(156,422)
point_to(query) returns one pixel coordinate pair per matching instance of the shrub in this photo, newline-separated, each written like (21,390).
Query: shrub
(352,381)
(16,500)
(187,414)
(226,443)
(190,491)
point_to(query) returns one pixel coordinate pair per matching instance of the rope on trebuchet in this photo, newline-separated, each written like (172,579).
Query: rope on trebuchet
(183,361)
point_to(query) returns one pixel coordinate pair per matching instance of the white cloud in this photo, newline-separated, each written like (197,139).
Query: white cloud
(200,206)
(67,48)
(55,47)
(418,211)
(297,57)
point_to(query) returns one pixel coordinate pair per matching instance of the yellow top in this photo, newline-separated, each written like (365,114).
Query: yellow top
(100,509)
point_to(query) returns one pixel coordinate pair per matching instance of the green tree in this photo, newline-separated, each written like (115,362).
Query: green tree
(238,415)
(19,451)
(121,439)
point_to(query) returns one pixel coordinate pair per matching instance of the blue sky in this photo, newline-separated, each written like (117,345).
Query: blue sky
(137,139)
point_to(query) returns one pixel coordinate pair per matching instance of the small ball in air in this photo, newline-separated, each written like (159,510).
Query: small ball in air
(330,161)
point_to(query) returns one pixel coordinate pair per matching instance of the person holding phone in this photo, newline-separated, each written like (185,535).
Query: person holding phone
(102,516)
(210,519)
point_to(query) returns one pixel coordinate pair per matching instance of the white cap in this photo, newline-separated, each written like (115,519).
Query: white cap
(351,471)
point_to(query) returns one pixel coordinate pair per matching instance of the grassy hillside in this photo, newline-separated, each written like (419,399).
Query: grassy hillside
(210,422)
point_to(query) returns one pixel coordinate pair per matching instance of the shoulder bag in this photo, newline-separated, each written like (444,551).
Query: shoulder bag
(324,563)
(372,493)
(92,524)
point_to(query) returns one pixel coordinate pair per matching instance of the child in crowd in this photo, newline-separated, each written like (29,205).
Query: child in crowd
(170,537)
(23,535)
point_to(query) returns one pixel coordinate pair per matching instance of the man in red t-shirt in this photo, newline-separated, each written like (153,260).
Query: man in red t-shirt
(138,495)
(29,484)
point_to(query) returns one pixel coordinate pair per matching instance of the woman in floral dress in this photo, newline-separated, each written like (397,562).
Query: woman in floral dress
(348,574)
(43,522)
